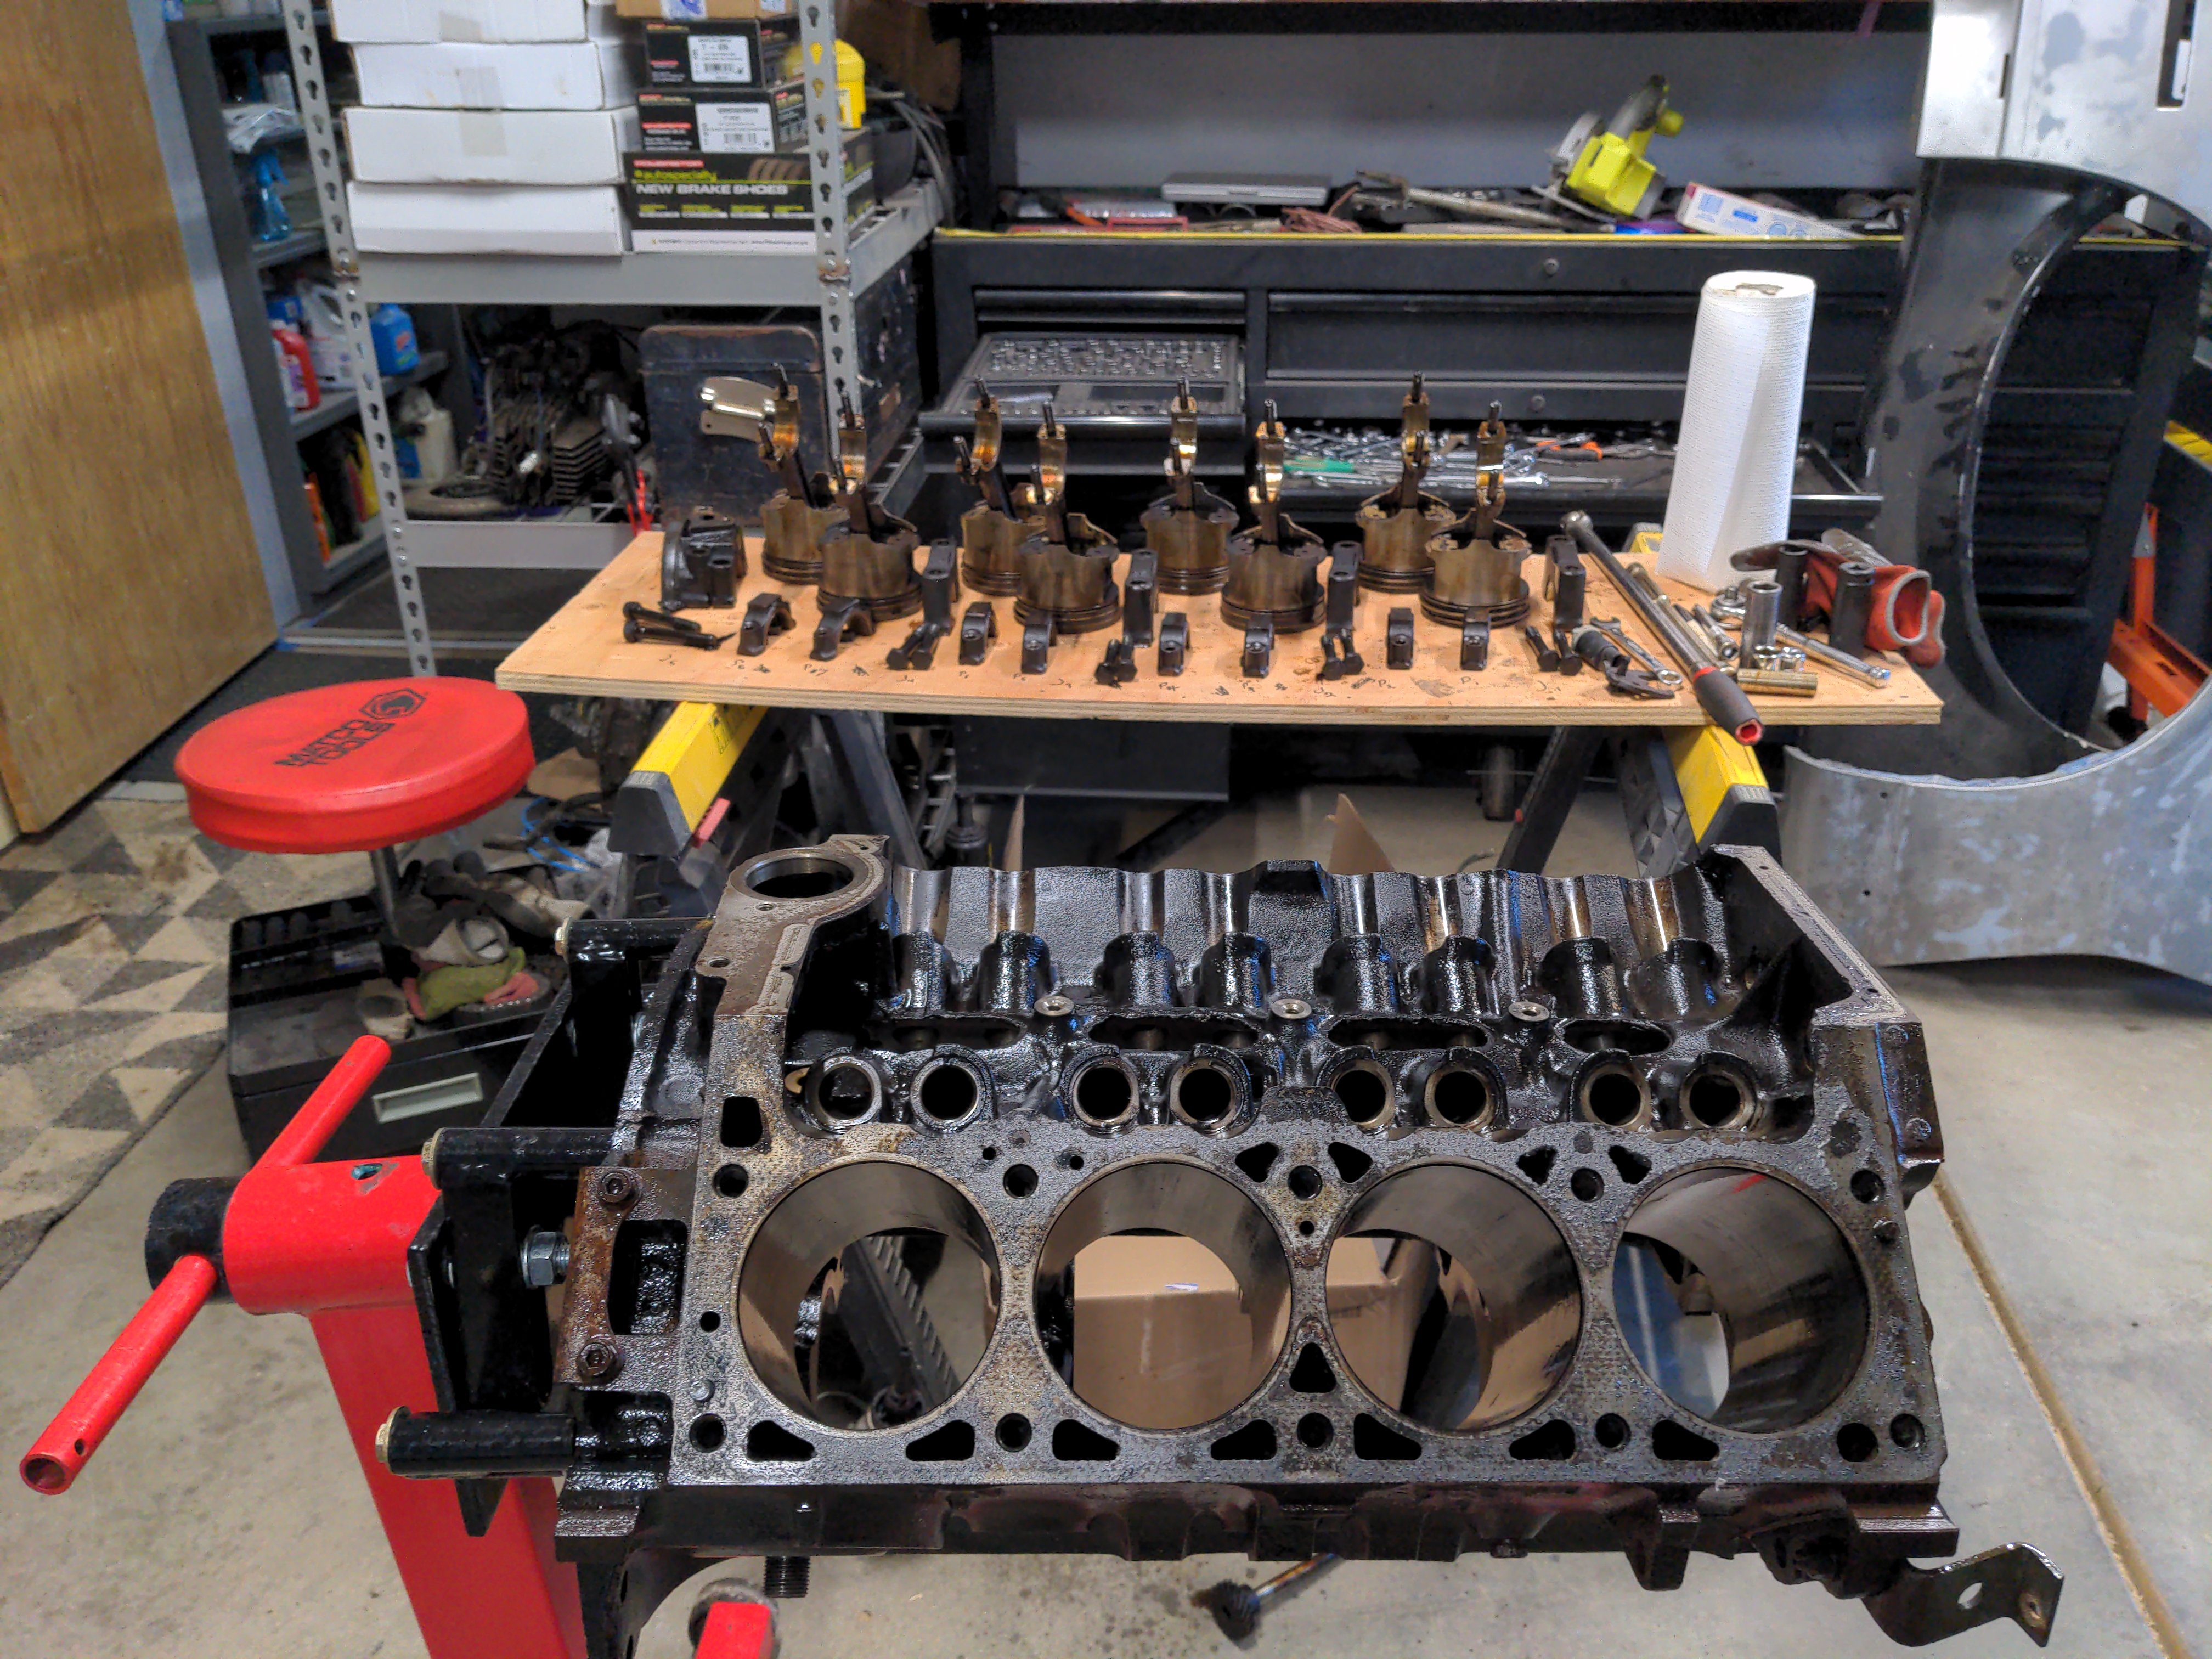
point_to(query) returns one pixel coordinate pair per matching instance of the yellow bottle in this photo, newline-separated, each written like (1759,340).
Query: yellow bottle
(852,81)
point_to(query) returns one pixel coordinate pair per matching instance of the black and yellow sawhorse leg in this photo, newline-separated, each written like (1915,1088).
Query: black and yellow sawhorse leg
(1683,789)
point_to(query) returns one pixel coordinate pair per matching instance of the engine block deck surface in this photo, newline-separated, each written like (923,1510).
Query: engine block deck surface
(1640,1148)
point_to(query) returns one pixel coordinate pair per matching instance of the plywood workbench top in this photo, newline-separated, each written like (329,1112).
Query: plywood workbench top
(580,652)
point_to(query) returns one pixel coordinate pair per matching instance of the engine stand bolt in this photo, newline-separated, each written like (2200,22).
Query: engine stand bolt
(615,1188)
(597,1361)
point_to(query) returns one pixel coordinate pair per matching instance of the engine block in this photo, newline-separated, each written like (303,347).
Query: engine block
(817,1178)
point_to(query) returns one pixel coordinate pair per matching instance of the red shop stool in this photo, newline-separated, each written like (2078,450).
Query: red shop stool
(358,767)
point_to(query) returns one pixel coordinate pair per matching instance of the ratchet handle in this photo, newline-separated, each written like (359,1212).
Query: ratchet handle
(1724,700)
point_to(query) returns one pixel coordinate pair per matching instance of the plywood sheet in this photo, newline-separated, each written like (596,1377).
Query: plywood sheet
(129,587)
(580,652)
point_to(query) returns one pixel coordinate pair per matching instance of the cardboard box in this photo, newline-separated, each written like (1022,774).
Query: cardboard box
(770,122)
(701,191)
(582,219)
(1161,1336)
(471,20)
(716,54)
(489,146)
(1717,213)
(546,75)
(695,10)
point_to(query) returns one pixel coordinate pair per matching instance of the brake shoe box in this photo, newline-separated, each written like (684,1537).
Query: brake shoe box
(769,122)
(717,54)
(703,192)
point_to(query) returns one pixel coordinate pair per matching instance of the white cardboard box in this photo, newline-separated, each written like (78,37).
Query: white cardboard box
(582,219)
(1717,213)
(545,75)
(471,20)
(489,146)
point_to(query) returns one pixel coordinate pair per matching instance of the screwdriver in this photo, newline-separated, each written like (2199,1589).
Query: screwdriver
(1720,697)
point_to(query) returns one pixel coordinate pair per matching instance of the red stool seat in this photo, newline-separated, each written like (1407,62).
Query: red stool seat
(353,767)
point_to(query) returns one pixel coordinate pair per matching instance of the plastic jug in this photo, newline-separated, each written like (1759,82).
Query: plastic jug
(327,333)
(424,433)
(296,365)
(393,330)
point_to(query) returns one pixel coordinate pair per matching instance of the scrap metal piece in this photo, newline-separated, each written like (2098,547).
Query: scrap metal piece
(848,620)
(1398,638)
(1175,641)
(978,628)
(1037,635)
(636,632)
(766,615)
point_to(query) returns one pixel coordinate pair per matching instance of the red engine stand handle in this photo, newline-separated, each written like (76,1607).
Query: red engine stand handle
(57,1457)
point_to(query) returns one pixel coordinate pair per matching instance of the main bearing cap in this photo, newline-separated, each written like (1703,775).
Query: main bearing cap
(1635,1154)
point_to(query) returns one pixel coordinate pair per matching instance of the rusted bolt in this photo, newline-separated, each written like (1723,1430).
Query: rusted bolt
(1918,1131)
(597,1361)
(615,1188)
(1887,1229)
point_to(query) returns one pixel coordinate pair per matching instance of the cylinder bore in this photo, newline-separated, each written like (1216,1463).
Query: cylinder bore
(1716,1096)
(948,1091)
(1365,1090)
(1611,1091)
(1209,1092)
(868,1295)
(1502,1301)
(1740,1299)
(1103,1092)
(1239,1299)
(1462,1092)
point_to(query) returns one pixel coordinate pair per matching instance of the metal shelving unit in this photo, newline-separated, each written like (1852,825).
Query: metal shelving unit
(193,50)
(825,274)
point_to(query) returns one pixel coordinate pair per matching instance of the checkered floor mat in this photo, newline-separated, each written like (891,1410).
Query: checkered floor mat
(115,931)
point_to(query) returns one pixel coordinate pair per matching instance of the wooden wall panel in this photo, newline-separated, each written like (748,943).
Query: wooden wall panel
(128,583)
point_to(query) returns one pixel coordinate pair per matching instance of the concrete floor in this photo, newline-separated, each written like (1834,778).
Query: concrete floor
(2063,1257)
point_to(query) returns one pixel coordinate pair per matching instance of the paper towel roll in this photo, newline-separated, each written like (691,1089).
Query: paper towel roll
(1738,448)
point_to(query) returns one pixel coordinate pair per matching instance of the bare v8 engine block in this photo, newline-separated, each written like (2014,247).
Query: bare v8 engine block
(818,1179)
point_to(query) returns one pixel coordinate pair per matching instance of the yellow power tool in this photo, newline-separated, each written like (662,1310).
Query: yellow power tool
(1606,169)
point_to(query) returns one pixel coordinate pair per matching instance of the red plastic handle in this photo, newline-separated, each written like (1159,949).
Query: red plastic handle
(58,1455)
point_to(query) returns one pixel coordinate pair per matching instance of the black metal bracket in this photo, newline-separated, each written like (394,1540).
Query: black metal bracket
(978,628)
(1926,1604)
(1175,641)
(1338,658)
(1398,638)
(1138,587)
(766,615)
(849,620)
(1259,648)
(1474,644)
(1036,645)
(940,586)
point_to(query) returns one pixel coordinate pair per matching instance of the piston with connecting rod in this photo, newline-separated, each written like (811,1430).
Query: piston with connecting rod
(990,533)
(799,515)
(1397,525)
(1189,528)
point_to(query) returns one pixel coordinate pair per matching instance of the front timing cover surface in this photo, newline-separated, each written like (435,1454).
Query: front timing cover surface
(1566,1092)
